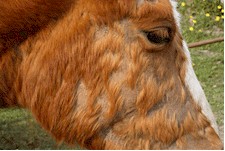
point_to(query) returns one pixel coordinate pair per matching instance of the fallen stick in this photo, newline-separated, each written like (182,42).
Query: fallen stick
(205,42)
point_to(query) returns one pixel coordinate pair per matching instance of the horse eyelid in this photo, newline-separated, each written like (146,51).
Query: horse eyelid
(160,35)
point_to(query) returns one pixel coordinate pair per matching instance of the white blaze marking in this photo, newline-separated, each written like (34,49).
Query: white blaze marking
(175,13)
(191,80)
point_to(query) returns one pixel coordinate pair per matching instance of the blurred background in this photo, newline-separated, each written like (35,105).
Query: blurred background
(201,20)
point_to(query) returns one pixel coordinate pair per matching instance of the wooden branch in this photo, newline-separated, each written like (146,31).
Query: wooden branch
(205,42)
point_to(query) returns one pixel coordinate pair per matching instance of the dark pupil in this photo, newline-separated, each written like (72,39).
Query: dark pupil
(156,38)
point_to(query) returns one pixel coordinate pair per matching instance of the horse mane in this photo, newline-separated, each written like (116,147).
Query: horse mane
(21,19)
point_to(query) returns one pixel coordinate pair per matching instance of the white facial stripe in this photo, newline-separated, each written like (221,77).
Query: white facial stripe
(191,80)
(175,13)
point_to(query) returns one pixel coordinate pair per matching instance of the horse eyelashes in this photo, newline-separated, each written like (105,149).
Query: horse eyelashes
(159,35)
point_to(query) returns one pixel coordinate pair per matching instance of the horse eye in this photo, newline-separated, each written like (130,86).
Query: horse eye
(159,35)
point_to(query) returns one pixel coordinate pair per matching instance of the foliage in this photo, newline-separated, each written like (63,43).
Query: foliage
(201,17)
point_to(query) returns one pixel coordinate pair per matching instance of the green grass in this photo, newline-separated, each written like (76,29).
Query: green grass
(18,130)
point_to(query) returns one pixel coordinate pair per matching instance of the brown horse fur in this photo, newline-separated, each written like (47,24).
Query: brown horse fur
(89,74)
(20,19)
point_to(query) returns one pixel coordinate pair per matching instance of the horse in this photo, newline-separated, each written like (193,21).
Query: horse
(109,74)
